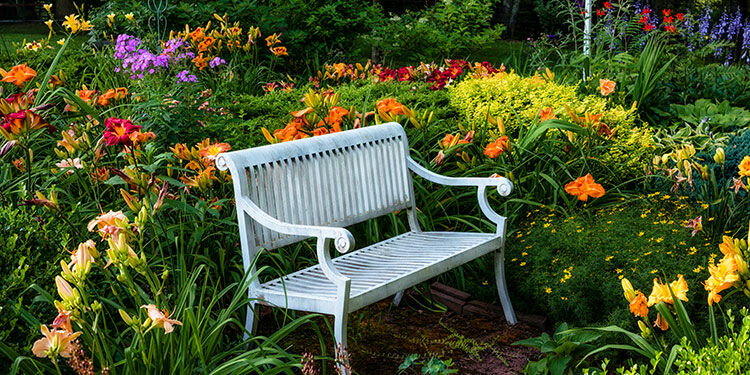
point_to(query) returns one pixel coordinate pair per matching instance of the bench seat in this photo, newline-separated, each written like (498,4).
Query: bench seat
(380,270)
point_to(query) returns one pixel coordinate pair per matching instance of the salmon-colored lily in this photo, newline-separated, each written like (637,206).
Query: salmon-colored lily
(160,318)
(54,343)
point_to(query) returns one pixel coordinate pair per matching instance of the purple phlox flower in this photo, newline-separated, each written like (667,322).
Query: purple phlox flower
(746,41)
(216,61)
(185,76)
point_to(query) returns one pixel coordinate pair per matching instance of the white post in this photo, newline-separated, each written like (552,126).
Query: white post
(587,34)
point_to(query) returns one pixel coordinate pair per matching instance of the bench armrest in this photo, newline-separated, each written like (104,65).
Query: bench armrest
(504,186)
(342,238)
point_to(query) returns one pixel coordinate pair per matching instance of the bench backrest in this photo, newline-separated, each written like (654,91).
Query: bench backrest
(332,180)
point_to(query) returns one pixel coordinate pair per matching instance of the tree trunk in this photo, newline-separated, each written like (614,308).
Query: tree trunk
(510,11)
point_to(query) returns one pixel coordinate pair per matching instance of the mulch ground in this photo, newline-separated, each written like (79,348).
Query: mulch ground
(381,336)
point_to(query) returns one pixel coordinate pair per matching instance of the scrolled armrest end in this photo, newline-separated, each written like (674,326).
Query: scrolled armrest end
(344,241)
(504,187)
(222,162)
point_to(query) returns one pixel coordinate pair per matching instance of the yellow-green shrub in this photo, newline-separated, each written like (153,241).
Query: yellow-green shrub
(519,99)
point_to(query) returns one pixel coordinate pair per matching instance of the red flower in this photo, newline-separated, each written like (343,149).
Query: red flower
(669,28)
(646,11)
(648,27)
(608,5)
(666,12)
(680,16)
(119,130)
(601,12)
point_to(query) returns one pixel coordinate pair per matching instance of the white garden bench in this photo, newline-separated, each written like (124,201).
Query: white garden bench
(315,187)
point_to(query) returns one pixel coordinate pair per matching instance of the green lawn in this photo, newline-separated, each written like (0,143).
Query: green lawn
(16,33)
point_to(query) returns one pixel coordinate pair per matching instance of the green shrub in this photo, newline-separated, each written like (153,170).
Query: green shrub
(30,253)
(714,81)
(730,355)
(445,30)
(569,268)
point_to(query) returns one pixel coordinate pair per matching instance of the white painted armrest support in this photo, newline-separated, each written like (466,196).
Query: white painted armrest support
(503,185)
(343,240)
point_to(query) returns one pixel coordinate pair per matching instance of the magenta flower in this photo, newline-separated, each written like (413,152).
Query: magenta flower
(695,224)
(119,130)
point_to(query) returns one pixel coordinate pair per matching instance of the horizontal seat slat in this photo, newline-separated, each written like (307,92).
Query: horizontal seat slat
(376,268)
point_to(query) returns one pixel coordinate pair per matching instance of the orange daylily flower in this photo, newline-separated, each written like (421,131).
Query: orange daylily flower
(638,306)
(279,51)
(54,343)
(497,147)
(661,323)
(291,131)
(723,276)
(320,131)
(585,187)
(451,140)
(606,86)
(546,114)
(85,94)
(160,318)
(273,39)
(14,124)
(660,292)
(18,75)
(744,167)
(390,105)
(212,151)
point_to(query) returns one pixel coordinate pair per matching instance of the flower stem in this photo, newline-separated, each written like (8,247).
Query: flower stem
(28,169)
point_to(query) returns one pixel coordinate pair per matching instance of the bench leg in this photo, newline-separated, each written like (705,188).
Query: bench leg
(502,288)
(397,298)
(251,323)
(342,356)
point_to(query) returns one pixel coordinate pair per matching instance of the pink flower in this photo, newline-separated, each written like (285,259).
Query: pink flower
(160,318)
(109,224)
(695,224)
(70,163)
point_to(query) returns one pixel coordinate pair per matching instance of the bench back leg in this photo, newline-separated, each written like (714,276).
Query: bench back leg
(502,288)
(251,322)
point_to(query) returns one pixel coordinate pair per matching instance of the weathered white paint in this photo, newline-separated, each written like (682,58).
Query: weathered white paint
(316,186)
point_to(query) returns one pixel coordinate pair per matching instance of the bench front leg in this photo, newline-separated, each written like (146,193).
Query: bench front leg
(341,308)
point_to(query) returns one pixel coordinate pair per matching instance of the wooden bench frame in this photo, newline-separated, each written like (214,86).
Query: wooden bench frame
(273,211)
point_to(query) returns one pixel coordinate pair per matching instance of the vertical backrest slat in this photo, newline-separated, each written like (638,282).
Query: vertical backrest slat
(334,186)
(386,157)
(361,187)
(351,183)
(381,172)
(338,179)
(404,173)
(299,206)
